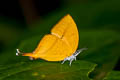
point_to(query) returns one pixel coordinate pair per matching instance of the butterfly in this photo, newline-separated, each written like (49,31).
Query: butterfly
(60,45)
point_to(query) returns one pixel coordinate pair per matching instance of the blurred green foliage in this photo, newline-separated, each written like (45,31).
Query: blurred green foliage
(98,24)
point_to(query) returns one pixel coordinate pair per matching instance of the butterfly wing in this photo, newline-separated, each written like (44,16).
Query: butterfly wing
(67,30)
(67,40)
(57,52)
(61,43)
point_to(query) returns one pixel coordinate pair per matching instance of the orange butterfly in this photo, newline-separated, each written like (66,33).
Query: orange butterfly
(60,45)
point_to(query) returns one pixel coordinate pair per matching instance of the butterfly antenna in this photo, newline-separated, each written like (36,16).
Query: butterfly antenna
(79,51)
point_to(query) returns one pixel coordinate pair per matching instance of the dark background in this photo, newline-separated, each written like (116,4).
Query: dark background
(18,18)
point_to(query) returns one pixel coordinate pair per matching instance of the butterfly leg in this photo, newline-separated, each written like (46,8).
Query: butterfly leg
(73,57)
(64,61)
(70,58)
(31,58)
(71,61)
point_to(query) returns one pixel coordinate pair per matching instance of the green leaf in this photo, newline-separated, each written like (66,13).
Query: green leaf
(102,46)
(42,70)
(113,75)
(103,49)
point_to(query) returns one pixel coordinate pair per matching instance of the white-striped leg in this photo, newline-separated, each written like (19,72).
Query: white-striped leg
(71,62)
(73,57)
(63,61)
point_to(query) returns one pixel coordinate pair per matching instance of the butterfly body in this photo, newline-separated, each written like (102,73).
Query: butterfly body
(60,44)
